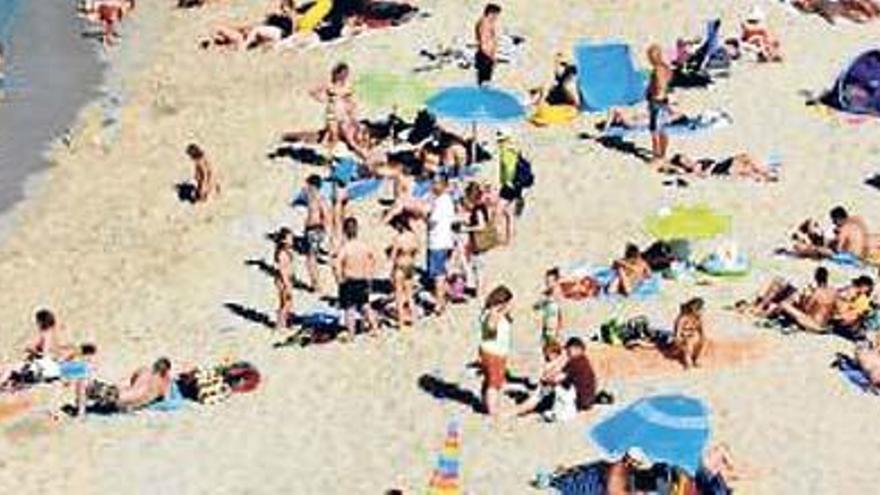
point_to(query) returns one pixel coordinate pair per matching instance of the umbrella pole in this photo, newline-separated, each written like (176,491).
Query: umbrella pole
(473,143)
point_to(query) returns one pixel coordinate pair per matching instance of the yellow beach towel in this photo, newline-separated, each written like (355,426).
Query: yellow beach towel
(553,114)
(313,17)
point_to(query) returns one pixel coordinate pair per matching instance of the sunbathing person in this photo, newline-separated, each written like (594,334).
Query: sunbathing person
(756,37)
(813,308)
(858,11)
(853,304)
(563,90)
(779,290)
(689,337)
(48,347)
(341,122)
(850,236)
(278,26)
(146,386)
(630,271)
(740,165)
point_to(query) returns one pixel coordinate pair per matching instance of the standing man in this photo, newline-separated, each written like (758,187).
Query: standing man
(441,240)
(318,218)
(658,104)
(284,276)
(487,43)
(355,268)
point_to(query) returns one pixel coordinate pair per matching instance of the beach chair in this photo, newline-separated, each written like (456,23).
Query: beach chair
(607,76)
(710,55)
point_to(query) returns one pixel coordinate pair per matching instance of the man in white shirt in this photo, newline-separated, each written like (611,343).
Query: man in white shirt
(441,239)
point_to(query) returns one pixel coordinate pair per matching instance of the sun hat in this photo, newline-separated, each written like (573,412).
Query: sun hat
(756,15)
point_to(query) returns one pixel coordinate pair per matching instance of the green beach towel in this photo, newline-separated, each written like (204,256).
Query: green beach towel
(381,91)
(687,222)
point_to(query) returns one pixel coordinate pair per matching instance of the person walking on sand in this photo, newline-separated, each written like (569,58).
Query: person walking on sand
(657,95)
(486,32)
(688,334)
(354,268)
(495,329)
(318,220)
(402,252)
(205,179)
(284,276)
(441,240)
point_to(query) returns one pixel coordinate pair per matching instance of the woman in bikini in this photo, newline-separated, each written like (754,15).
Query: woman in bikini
(276,27)
(340,113)
(688,335)
(402,252)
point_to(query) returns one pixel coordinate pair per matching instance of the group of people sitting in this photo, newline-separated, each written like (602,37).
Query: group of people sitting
(858,11)
(849,240)
(818,307)
(50,356)
(291,25)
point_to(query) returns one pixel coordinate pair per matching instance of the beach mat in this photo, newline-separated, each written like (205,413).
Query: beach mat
(706,121)
(607,76)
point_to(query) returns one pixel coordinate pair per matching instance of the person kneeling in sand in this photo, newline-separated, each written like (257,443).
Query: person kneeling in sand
(689,334)
(630,271)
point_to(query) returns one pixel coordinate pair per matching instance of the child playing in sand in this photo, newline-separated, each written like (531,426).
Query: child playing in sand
(688,337)
(203,175)
(551,312)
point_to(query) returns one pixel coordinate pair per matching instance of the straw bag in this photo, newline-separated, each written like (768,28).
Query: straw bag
(486,239)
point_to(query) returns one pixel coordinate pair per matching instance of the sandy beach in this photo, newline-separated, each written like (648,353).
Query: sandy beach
(106,244)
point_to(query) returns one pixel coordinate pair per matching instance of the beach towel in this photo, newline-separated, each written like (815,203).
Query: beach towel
(855,375)
(314,16)
(605,276)
(705,121)
(357,191)
(172,402)
(588,479)
(607,77)
(547,115)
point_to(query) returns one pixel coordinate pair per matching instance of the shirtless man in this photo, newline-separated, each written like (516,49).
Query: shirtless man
(812,310)
(850,236)
(487,43)
(147,385)
(657,95)
(631,270)
(402,253)
(318,222)
(203,174)
(284,277)
(354,268)
(49,343)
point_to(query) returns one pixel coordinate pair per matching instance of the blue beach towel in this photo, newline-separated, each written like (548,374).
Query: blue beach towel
(846,259)
(649,288)
(172,402)
(588,479)
(607,76)
(357,191)
(74,370)
(855,375)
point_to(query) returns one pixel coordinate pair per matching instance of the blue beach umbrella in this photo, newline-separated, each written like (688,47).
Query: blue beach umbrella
(667,428)
(476,105)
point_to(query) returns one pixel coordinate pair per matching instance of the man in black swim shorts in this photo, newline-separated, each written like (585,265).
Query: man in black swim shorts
(487,43)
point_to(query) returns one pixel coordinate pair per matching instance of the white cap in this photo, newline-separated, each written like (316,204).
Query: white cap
(756,14)
(639,457)
(503,134)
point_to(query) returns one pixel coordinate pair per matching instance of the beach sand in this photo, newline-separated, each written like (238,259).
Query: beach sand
(108,246)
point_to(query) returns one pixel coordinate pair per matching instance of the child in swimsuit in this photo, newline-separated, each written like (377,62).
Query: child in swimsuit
(551,312)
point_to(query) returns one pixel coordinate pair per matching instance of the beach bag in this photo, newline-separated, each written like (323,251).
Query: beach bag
(659,256)
(610,331)
(634,329)
(46,369)
(523,177)
(486,239)
(205,386)
(104,396)
(241,377)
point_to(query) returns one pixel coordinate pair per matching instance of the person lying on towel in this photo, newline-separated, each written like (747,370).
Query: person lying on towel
(850,237)
(740,165)
(146,386)
(812,307)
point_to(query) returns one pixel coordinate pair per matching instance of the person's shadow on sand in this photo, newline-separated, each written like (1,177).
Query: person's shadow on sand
(250,314)
(616,143)
(444,390)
